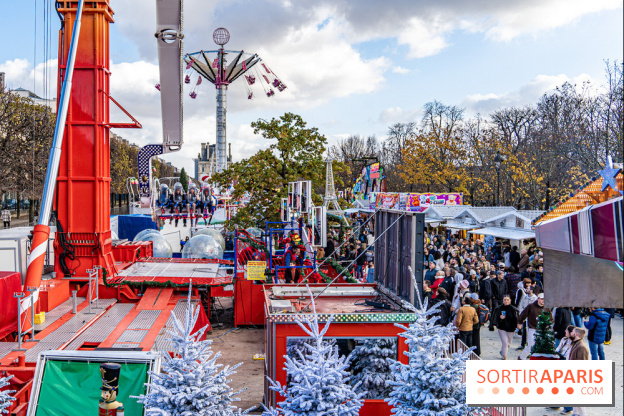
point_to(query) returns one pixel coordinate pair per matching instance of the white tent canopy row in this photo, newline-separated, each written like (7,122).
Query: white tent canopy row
(512,234)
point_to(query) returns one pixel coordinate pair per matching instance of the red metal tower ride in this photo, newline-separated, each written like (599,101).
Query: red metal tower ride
(83,185)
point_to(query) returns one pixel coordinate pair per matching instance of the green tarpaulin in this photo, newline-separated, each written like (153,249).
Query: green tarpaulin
(73,388)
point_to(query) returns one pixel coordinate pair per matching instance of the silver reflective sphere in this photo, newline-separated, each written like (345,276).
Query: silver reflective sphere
(140,235)
(161,247)
(214,234)
(202,247)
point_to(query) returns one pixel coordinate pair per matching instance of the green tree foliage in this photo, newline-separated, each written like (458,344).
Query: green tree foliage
(184,180)
(295,153)
(26,132)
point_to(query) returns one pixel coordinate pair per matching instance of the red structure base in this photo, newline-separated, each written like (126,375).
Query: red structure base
(248,302)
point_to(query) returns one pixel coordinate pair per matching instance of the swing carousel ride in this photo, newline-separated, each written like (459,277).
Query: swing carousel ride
(215,67)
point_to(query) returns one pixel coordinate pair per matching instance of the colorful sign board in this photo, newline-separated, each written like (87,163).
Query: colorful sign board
(416,202)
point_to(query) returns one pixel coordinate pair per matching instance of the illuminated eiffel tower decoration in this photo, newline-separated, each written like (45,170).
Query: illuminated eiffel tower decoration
(330,201)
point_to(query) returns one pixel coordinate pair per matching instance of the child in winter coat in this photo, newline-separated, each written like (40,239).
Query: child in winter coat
(597,327)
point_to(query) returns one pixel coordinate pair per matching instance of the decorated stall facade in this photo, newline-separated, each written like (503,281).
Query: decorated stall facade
(363,319)
(415,202)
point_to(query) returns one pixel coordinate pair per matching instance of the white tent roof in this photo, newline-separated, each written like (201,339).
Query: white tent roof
(510,233)
(461,226)
(485,214)
(445,211)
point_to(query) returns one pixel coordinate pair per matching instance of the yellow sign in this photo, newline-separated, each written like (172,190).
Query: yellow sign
(255,270)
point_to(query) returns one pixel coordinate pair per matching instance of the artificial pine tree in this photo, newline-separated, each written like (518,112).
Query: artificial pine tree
(544,346)
(430,384)
(191,383)
(319,378)
(5,398)
(371,366)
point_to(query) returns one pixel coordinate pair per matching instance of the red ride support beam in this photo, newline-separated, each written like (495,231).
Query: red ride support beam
(83,184)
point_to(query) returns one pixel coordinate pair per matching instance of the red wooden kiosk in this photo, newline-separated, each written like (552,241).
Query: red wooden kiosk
(354,321)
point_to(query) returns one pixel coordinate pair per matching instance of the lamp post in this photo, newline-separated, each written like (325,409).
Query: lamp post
(497,162)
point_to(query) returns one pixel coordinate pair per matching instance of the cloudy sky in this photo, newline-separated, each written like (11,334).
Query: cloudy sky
(351,66)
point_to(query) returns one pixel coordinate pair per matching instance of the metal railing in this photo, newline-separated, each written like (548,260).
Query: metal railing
(459,346)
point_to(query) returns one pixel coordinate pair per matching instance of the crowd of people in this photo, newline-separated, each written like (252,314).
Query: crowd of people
(477,284)
(351,247)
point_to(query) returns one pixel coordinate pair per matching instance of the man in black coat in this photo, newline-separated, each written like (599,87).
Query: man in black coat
(514,257)
(499,290)
(563,318)
(329,250)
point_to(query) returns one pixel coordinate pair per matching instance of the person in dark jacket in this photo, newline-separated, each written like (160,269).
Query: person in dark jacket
(563,318)
(431,273)
(512,281)
(444,307)
(476,328)
(329,249)
(514,257)
(597,327)
(577,316)
(499,290)
(611,312)
(505,318)
(485,290)
(427,294)
(448,284)
(473,282)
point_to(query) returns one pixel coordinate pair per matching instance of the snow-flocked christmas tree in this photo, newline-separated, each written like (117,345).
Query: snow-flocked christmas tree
(319,377)
(5,399)
(431,383)
(191,383)
(371,366)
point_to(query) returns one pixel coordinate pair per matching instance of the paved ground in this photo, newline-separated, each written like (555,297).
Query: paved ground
(490,347)
(239,346)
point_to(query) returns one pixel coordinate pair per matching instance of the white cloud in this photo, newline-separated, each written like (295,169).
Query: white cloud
(527,94)
(20,74)
(535,16)
(400,70)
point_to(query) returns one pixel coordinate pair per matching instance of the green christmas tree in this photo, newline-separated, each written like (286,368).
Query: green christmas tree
(184,180)
(544,337)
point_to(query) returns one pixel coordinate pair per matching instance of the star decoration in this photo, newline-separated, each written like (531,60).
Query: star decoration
(608,178)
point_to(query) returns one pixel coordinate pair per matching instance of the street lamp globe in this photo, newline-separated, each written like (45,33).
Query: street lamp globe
(498,159)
